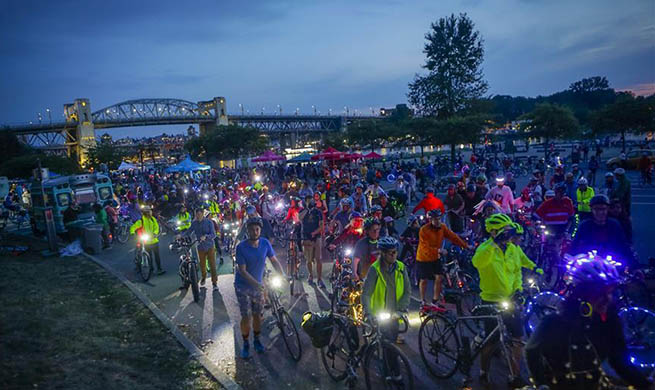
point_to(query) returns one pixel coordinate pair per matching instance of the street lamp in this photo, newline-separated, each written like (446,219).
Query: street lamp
(38,115)
(280,109)
(346,109)
(330,112)
(49,116)
(241,107)
(297,110)
(314,109)
(262,110)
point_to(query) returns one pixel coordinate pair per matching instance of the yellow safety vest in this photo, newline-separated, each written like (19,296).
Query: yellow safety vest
(185,221)
(583,199)
(150,226)
(378,299)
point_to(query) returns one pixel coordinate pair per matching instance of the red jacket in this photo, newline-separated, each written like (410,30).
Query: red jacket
(556,212)
(429,203)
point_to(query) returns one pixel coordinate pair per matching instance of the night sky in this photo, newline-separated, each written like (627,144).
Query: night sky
(331,54)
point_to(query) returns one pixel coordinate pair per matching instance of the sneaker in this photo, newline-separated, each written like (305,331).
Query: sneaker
(245,351)
(438,303)
(202,281)
(311,282)
(258,346)
(215,287)
(321,284)
(161,272)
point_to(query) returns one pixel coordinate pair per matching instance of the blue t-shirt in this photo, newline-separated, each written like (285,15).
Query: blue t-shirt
(254,259)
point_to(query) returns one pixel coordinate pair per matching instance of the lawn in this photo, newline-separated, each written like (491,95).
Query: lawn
(67,324)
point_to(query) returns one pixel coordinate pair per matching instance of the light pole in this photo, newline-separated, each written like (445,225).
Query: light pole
(314,109)
(297,110)
(346,109)
(280,109)
(38,115)
(330,111)
(241,107)
(262,110)
(49,115)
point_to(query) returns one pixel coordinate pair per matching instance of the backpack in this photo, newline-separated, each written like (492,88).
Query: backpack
(318,327)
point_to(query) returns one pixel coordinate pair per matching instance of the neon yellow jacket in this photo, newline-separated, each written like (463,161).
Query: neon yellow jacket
(378,297)
(495,283)
(150,226)
(515,260)
(214,210)
(583,199)
(185,221)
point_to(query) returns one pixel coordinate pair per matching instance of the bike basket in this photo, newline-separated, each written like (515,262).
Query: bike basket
(318,327)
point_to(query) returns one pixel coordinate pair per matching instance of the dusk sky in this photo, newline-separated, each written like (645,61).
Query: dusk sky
(330,54)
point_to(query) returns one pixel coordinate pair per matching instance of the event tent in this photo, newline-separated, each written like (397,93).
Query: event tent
(188,165)
(372,155)
(268,156)
(304,157)
(125,166)
(330,154)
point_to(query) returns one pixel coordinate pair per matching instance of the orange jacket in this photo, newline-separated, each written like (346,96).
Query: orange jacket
(430,240)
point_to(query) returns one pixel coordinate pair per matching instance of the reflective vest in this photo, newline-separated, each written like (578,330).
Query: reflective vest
(378,299)
(185,221)
(583,199)
(149,226)
(214,210)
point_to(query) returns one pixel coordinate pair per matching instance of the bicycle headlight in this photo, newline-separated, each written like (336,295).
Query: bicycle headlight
(226,225)
(531,281)
(235,231)
(178,223)
(258,178)
(186,191)
(384,316)
(276,281)
(144,237)
(205,196)
(278,205)
(504,305)
(349,251)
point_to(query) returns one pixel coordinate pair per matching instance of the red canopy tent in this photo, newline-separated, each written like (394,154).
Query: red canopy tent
(355,156)
(330,154)
(372,155)
(268,156)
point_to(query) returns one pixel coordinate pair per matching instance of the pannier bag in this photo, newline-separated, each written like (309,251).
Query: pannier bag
(318,327)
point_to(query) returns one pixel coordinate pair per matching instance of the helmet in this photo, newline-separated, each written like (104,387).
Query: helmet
(370,222)
(346,202)
(560,187)
(250,209)
(583,181)
(609,174)
(481,179)
(387,242)
(359,185)
(435,213)
(550,194)
(388,219)
(254,221)
(591,268)
(411,219)
(497,222)
(429,189)
(619,171)
(599,199)
(517,227)
(376,208)
(146,207)
(355,214)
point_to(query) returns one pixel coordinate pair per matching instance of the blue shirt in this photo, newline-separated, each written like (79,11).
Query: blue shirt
(254,259)
(205,227)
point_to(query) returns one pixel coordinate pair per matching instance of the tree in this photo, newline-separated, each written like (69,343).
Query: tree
(460,130)
(454,57)
(228,143)
(333,141)
(20,167)
(551,121)
(591,84)
(627,114)
(369,132)
(105,153)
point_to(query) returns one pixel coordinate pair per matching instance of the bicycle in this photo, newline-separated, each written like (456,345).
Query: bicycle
(293,260)
(142,258)
(188,267)
(123,229)
(460,287)
(384,364)
(280,316)
(445,348)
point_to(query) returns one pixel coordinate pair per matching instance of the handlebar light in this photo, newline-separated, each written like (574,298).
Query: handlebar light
(226,225)
(276,282)
(384,316)
(504,305)
(145,237)
(205,196)
(186,191)
(349,252)
(258,178)
(531,281)
(278,205)
(178,223)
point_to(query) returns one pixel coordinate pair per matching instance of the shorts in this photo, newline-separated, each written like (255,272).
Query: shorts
(512,319)
(428,269)
(251,301)
(312,250)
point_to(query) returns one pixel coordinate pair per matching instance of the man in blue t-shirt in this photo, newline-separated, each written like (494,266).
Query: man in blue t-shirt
(251,257)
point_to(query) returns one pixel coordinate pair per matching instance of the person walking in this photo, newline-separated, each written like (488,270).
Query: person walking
(204,230)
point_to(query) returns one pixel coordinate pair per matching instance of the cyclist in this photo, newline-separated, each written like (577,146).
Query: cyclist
(495,260)
(183,218)
(388,289)
(566,349)
(429,252)
(556,214)
(454,206)
(359,199)
(312,223)
(204,229)
(342,217)
(583,194)
(502,195)
(251,257)
(429,202)
(350,234)
(149,225)
(602,233)
(366,251)
(387,209)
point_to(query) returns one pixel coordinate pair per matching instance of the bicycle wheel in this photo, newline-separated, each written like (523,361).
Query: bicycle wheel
(123,234)
(541,305)
(387,367)
(289,334)
(144,265)
(193,279)
(439,346)
(336,354)
(636,293)
(639,332)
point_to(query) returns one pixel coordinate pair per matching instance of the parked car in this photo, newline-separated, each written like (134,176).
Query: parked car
(632,158)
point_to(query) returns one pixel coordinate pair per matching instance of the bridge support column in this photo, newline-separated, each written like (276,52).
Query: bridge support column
(218,107)
(84,134)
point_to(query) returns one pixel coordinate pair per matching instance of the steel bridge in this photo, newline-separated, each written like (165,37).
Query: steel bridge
(77,132)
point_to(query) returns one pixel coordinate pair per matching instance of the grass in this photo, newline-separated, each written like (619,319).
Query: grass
(67,324)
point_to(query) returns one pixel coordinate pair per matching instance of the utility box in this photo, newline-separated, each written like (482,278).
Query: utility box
(92,238)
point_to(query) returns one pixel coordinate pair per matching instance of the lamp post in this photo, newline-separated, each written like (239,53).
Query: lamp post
(241,107)
(297,110)
(262,110)
(38,115)
(330,111)
(279,107)
(314,109)
(49,115)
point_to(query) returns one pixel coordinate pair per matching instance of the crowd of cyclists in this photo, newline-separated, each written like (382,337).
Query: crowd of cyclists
(363,212)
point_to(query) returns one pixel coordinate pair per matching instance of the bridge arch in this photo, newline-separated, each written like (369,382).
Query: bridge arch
(151,109)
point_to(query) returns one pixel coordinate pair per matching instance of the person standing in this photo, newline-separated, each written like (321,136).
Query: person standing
(148,224)
(251,257)
(204,230)
(623,190)
(583,194)
(454,207)
(312,223)
(101,218)
(429,202)
(428,255)
(502,195)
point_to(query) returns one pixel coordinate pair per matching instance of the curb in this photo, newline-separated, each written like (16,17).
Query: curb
(225,381)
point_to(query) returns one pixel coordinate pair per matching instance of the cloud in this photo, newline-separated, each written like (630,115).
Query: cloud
(645,89)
